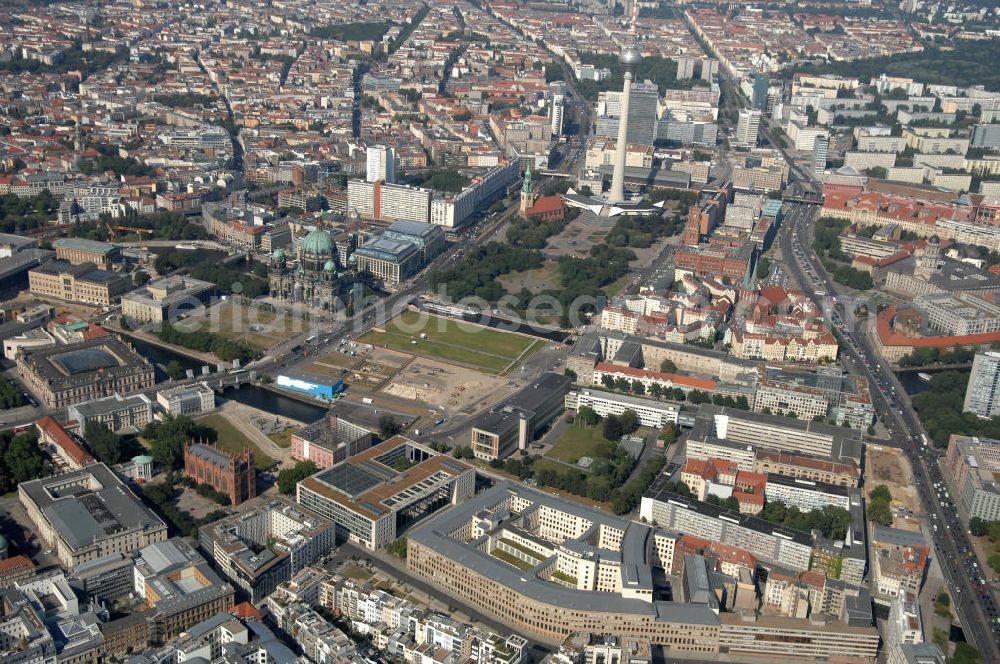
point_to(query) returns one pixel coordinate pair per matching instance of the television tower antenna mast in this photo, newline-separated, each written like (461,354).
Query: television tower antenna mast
(629,59)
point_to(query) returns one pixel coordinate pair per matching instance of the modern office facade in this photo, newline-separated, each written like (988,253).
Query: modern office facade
(428,237)
(770,543)
(511,552)
(747,127)
(381,201)
(388,261)
(513,423)
(974,466)
(372,503)
(651,413)
(381,164)
(806,495)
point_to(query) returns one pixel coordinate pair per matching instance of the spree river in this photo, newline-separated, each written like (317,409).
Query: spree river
(251,395)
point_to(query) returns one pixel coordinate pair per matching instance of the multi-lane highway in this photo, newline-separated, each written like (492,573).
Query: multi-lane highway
(973,600)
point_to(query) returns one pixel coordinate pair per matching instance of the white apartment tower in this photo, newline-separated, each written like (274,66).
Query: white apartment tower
(747,128)
(558,107)
(820,148)
(982,396)
(381,164)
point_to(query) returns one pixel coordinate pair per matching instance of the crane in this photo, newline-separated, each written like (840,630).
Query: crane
(131,229)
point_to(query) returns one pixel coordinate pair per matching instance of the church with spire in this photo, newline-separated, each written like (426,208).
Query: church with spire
(539,208)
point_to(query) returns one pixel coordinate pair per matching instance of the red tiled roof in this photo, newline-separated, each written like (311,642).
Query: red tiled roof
(16,563)
(54,431)
(676,379)
(546,204)
(246,610)
(889,337)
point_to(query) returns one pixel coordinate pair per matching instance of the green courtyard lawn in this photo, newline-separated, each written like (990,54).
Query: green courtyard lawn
(232,440)
(579,441)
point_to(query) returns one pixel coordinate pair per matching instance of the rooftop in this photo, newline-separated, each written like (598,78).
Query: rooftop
(367,482)
(81,244)
(432,533)
(87,505)
(384,248)
(415,229)
(102,355)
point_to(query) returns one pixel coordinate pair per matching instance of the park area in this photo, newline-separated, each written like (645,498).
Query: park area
(258,326)
(231,440)
(582,441)
(487,349)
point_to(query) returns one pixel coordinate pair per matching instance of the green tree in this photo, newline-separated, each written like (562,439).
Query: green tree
(965,654)
(880,492)
(612,428)
(104,442)
(10,396)
(880,512)
(668,366)
(388,427)
(175,370)
(398,547)
(588,416)
(629,421)
(978,527)
(168,436)
(290,477)
(22,459)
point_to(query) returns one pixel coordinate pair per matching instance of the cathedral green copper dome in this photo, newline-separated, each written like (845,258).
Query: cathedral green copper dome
(278,255)
(330,266)
(318,243)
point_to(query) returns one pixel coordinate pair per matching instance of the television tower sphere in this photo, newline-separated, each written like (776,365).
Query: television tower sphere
(630,56)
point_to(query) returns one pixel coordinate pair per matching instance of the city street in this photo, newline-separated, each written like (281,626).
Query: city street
(974,605)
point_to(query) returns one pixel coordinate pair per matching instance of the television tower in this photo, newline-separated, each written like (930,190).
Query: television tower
(629,59)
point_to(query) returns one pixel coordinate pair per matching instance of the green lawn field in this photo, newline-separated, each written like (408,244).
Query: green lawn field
(579,441)
(449,340)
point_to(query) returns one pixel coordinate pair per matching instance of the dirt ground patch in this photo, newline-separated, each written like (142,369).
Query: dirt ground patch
(889,467)
(437,384)
(369,374)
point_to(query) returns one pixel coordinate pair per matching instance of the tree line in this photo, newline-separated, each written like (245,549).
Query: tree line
(224,348)
(10,395)
(20,459)
(24,214)
(940,410)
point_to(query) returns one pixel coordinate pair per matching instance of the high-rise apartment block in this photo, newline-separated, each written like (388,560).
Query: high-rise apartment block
(747,128)
(381,164)
(982,396)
